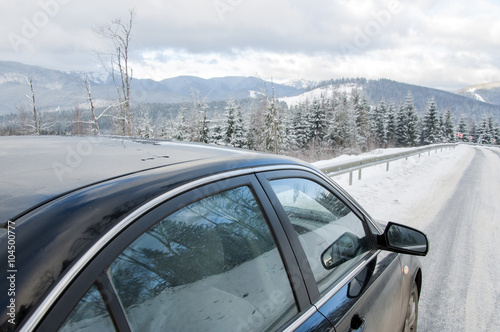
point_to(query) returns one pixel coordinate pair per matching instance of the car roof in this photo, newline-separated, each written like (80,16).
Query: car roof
(63,193)
(35,169)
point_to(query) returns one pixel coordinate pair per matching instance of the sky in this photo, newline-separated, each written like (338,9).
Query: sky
(444,44)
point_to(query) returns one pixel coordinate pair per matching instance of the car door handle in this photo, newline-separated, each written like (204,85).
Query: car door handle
(357,324)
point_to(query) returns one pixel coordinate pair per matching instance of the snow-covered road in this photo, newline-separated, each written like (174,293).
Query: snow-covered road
(454,196)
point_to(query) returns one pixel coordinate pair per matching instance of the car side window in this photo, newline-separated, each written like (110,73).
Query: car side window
(90,314)
(332,236)
(213,265)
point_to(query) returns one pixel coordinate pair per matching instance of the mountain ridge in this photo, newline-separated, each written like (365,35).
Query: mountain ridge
(58,90)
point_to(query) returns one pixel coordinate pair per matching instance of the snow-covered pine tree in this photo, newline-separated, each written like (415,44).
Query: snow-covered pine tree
(462,128)
(492,130)
(204,126)
(430,129)
(448,132)
(181,128)
(401,127)
(407,123)
(344,136)
(413,120)
(239,137)
(391,126)
(229,126)
(361,108)
(379,116)
(473,131)
(495,130)
(483,132)
(316,123)
(145,128)
(217,136)
(299,131)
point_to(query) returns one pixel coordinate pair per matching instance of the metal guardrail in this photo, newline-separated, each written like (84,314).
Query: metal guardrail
(358,165)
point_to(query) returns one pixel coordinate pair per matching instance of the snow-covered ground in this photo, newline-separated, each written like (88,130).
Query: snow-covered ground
(409,188)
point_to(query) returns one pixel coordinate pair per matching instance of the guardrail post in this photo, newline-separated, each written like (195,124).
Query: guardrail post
(350,178)
(359,174)
(387,168)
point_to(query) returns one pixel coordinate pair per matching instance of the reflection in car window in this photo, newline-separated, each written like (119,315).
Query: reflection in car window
(90,314)
(213,265)
(326,227)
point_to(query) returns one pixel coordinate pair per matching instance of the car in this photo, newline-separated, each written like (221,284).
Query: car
(105,234)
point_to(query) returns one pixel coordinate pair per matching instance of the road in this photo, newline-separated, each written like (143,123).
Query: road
(461,290)
(455,198)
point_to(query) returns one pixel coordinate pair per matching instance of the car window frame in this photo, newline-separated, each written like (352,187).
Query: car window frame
(314,295)
(95,271)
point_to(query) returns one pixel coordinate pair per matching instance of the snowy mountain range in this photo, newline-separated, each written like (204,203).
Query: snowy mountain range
(392,92)
(59,90)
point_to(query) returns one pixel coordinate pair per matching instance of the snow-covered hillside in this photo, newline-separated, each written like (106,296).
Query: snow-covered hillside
(317,93)
(487,92)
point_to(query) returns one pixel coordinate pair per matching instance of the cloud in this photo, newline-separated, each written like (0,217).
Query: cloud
(438,43)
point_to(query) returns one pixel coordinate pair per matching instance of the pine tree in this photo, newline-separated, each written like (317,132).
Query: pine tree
(412,128)
(204,127)
(462,127)
(300,126)
(473,131)
(145,128)
(379,125)
(239,138)
(343,134)
(391,126)
(181,129)
(492,130)
(361,120)
(430,130)
(316,122)
(217,136)
(229,128)
(449,133)
(407,123)
(483,132)
(401,127)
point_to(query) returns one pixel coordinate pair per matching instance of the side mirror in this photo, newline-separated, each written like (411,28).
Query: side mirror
(403,239)
(343,249)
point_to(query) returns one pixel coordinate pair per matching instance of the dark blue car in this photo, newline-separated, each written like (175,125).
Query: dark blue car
(102,234)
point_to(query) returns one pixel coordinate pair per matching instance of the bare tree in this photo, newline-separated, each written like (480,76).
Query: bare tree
(30,119)
(36,118)
(86,87)
(120,35)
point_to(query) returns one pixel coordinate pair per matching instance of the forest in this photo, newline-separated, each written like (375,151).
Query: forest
(332,124)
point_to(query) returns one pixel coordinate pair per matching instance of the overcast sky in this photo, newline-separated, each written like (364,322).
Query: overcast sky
(446,44)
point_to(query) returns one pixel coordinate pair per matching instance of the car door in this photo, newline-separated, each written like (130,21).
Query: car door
(214,258)
(354,285)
